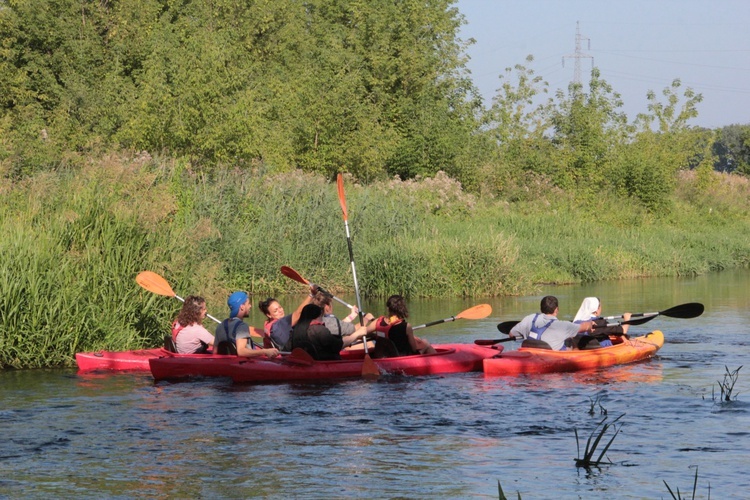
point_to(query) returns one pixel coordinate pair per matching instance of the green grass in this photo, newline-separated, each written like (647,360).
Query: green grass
(74,240)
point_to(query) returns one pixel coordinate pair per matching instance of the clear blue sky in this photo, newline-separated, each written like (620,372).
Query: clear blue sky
(638,45)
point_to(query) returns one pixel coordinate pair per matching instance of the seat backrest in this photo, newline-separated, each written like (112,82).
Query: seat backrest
(169,343)
(384,348)
(226,347)
(536,344)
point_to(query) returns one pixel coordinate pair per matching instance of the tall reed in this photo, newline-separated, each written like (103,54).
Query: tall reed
(74,240)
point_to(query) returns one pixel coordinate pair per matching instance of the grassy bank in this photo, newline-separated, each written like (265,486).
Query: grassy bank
(73,242)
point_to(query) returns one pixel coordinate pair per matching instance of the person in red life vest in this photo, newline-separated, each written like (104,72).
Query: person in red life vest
(188,332)
(311,334)
(395,328)
(233,334)
(278,325)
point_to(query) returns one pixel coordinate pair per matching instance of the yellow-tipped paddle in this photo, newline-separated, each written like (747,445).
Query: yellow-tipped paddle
(477,312)
(154,283)
(369,368)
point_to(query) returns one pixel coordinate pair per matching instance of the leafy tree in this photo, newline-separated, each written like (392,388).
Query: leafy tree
(732,149)
(515,125)
(588,128)
(652,160)
(374,87)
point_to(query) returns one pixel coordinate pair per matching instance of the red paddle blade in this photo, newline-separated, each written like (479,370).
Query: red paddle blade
(299,356)
(291,273)
(369,368)
(154,283)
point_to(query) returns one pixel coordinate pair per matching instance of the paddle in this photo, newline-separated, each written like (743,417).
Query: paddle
(683,311)
(369,369)
(154,283)
(493,341)
(291,273)
(299,356)
(504,327)
(476,312)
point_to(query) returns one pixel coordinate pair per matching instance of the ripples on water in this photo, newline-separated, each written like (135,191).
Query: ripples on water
(98,436)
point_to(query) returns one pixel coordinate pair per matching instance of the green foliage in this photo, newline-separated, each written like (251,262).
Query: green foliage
(732,149)
(588,129)
(370,87)
(72,254)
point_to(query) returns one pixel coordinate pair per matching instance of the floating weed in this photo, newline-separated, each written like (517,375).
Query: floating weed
(678,496)
(593,442)
(727,385)
(501,495)
(594,403)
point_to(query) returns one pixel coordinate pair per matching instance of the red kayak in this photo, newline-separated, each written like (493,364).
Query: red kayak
(133,361)
(117,360)
(449,358)
(532,360)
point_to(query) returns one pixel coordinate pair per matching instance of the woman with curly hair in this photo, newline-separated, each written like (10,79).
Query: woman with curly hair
(188,333)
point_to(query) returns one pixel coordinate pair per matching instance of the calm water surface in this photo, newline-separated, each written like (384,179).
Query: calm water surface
(121,436)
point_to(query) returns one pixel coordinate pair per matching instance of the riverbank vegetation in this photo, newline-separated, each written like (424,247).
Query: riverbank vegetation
(199,140)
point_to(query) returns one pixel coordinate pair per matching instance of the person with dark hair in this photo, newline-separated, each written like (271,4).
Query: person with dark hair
(591,310)
(544,330)
(311,334)
(278,326)
(336,326)
(188,333)
(395,328)
(233,334)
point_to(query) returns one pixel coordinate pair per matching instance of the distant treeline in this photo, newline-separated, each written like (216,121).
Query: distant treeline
(375,88)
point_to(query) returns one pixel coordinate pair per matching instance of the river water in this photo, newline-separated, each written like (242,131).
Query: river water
(66,435)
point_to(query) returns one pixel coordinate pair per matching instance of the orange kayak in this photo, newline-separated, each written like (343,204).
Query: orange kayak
(532,360)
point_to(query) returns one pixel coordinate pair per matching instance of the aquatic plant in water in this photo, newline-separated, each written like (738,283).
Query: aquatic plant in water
(727,385)
(593,442)
(678,496)
(501,495)
(594,403)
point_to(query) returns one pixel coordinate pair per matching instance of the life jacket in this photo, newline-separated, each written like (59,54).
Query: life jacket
(267,340)
(537,331)
(176,329)
(232,335)
(268,325)
(396,333)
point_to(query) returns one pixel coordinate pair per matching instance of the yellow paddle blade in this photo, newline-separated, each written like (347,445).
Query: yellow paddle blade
(476,312)
(154,283)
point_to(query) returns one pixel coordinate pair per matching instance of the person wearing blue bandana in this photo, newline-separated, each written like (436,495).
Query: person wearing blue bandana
(233,334)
